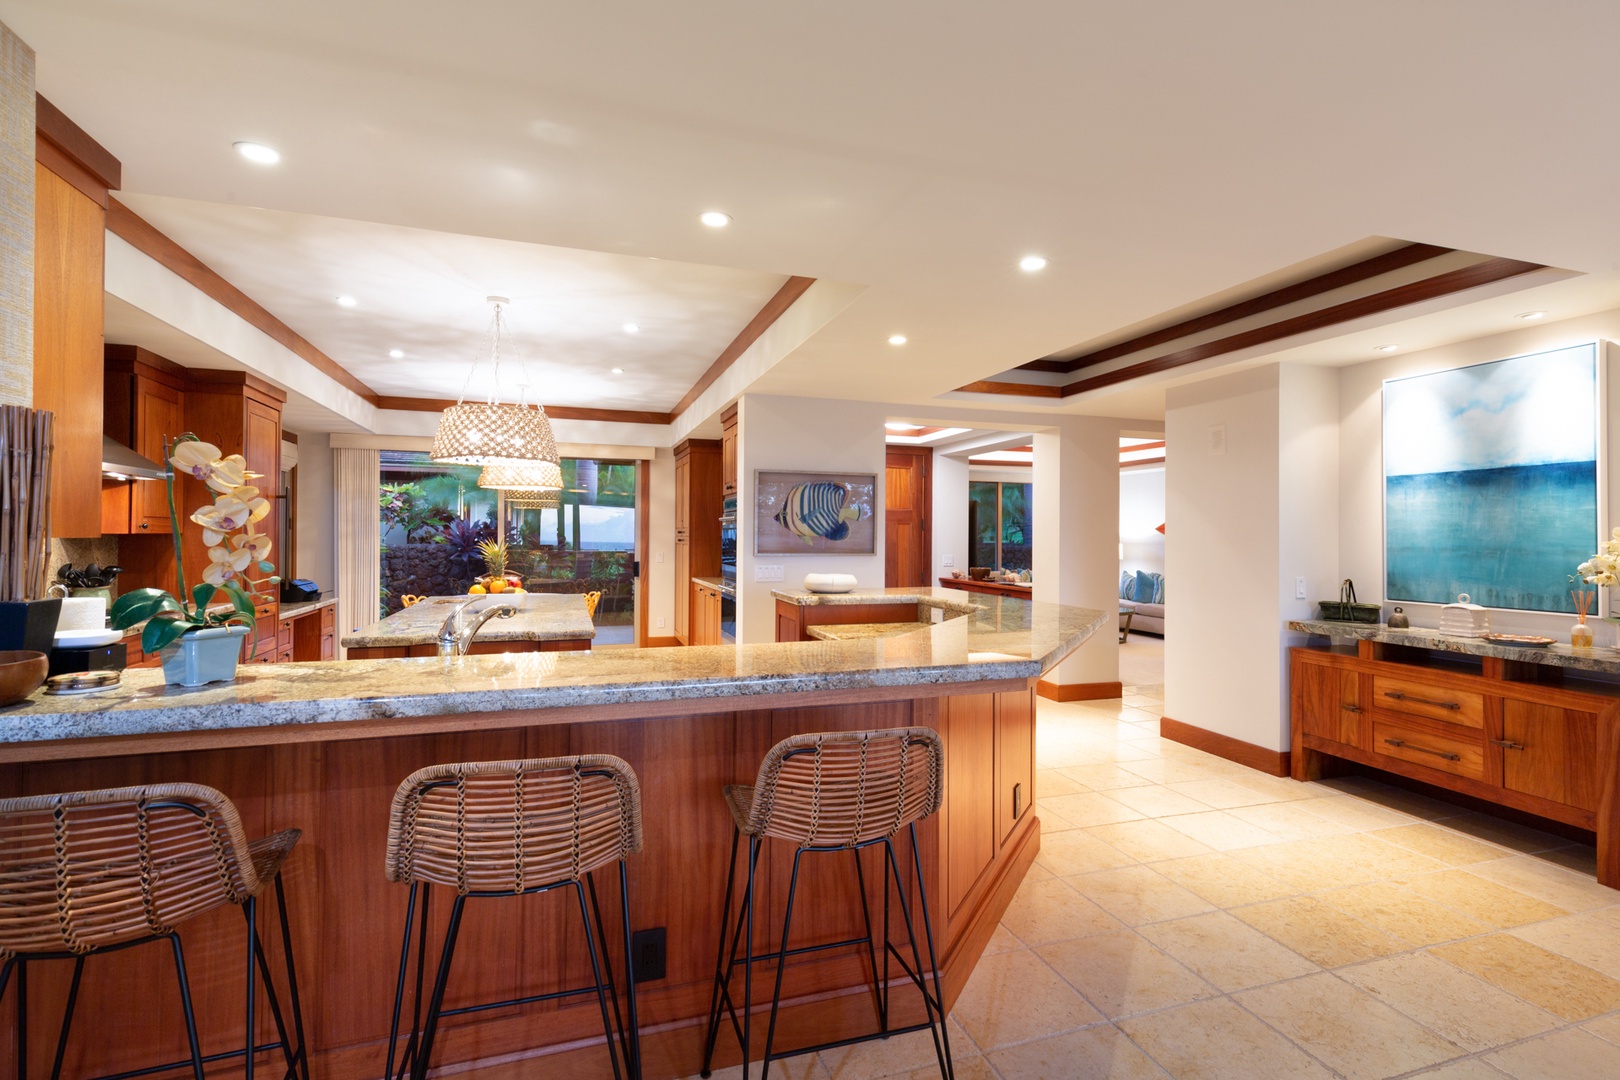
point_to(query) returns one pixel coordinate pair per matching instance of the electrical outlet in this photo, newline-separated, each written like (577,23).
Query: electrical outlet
(1217,439)
(948,560)
(660,622)
(650,948)
(1299,588)
(767,572)
(658,556)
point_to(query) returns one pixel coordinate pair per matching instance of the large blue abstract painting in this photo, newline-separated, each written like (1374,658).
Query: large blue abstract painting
(1490,480)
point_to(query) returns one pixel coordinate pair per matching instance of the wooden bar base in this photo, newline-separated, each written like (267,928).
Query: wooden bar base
(1086,691)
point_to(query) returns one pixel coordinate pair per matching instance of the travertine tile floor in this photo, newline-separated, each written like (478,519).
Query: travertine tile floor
(1191,918)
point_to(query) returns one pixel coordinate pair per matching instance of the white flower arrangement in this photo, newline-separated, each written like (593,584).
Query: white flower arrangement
(1603,568)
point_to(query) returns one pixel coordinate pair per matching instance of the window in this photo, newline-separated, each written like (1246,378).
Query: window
(999,525)
(581,539)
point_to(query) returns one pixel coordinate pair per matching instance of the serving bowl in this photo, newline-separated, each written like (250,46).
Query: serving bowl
(22,671)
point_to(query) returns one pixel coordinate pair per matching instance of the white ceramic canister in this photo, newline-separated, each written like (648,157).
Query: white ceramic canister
(82,613)
(830,583)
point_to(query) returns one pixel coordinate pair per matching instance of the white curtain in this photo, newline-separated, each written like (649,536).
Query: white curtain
(357,475)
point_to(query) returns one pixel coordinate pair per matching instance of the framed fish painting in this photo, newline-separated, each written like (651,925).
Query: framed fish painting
(1491,480)
(814,513)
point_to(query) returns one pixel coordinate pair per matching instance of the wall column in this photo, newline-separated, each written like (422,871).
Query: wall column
(1076,479)
(16,220)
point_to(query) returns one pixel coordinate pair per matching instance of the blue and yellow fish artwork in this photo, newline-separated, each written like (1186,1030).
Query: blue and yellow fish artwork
(817,509)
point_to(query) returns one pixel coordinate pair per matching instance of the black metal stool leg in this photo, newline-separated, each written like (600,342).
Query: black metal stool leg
(292,978)
(424,1053)
(781,966)
(274,1001)
(67,1019)
(399,984)
(871,951)
(596,971)
(934,1004)
(722,969)
(933,960)
(634,1049)
(748,954)
(185,1002)
(250,908)
(607,968)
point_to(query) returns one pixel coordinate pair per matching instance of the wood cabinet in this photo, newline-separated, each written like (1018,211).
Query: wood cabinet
(793,621)
(697,524)
(69,250)
(143,406)
(705,618)
(315,635)
(728,450)
(1492,730)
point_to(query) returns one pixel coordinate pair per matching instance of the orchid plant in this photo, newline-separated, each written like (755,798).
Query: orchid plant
(235,551)
(1603,568)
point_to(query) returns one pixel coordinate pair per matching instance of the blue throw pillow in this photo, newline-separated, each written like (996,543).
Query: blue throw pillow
(1127,585)
(1144,587)
(1158,588)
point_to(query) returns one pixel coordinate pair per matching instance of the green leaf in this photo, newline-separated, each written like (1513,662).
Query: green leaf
(160,632)
(201,594)
(242,604)
(141,604)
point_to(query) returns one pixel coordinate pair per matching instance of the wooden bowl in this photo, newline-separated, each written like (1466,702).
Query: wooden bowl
(978,573)
(21,673)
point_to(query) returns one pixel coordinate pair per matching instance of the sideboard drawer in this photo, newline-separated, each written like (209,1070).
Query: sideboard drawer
(1449,753)
(1432,702)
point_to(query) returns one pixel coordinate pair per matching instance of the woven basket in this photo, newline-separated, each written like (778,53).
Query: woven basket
(1345,608)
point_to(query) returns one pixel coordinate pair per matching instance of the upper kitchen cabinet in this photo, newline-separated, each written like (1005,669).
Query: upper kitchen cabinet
(728,450)
(143,407)
(72,175)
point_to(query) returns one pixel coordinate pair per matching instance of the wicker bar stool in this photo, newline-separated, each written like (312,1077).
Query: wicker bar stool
(512,828)
(825,793)
(93,872)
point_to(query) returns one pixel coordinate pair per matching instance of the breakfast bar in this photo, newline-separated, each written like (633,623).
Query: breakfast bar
(540,623)
(321,747)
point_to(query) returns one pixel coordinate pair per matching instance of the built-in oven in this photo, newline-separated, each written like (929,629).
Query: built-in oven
(728,617)
(728,541)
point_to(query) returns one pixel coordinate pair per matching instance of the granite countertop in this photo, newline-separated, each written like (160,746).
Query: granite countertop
(1001,638)
(860,631)
(720,584)
(292,611)
(1604,661)
(950,601)
(540,617)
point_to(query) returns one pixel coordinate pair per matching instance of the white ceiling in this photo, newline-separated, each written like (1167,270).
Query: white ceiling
(916,147)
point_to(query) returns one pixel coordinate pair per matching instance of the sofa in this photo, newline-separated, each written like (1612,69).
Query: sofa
(1142,594)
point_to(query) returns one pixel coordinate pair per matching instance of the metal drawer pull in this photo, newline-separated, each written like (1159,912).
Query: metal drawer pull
(1351,708)
(1423,749)
(1398,696)
(1508,744)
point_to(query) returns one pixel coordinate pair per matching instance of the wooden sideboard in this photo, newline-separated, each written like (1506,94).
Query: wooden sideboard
(1510,733)
(989,588)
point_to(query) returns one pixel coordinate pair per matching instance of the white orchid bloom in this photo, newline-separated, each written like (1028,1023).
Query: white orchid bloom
(228,473)
(224,564)
(226,515)
(195,458)
(257,544)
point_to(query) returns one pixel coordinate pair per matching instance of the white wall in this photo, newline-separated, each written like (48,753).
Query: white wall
(950,516)
(1308,498)
(659,561)
(1076,479)
(1141,512)
(317,514)
(1361,508)
(814,436)
(1222,672)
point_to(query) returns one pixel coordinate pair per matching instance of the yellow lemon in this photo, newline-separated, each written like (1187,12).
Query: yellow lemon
(476,590)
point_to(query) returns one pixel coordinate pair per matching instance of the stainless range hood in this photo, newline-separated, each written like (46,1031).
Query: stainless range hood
(119,462)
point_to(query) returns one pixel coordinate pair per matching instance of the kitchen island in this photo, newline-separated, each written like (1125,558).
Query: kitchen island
(322,747)
(545,622)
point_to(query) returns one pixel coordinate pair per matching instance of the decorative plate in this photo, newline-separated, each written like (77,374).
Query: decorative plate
(1523,641)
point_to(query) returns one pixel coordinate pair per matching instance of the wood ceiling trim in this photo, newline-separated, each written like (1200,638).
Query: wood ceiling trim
(1015,389)
(556,412)
(1416,292)
(145,238)
(73,142)
(1388,262)
(1143,461)
(790,291)
(996,463)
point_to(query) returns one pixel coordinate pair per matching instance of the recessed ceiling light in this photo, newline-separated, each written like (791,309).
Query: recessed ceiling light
(396,354)
(897,339)
(347,301)
(258,153)
(714,219)
(1031,263)
(1385,348)
(631,328)
(1533,315)
(618,371)
(899,425)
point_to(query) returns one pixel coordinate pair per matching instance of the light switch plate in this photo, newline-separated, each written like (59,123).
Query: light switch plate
(767,572)
(1299,588)
(948,560)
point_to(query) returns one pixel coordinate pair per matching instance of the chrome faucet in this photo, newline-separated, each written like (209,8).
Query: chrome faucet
(454,638)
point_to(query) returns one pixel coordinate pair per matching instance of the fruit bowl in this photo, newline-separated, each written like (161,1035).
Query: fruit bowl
(21,673)
(488,585)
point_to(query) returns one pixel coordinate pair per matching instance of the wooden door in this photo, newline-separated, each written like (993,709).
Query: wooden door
(908,547)
(159,416)
(683,496)
(1551,752)
(728,451)
(1330,704)
(683,591)
(1015,759)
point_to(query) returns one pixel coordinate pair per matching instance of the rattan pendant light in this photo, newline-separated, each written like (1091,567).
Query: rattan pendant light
(533,500)
(539,476)
(493,433)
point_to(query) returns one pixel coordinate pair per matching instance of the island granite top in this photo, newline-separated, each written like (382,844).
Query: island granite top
(999,638)
(540,617)
(860,631)
(1603,661)
(951,601)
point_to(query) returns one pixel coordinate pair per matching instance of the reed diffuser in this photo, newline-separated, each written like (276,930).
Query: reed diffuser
(1580,635)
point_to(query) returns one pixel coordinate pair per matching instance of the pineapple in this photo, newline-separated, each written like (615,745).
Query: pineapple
(494,555)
